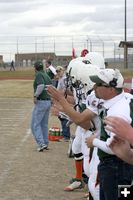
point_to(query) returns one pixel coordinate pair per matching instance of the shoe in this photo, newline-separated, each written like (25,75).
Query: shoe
(73,180)
(42,147)
(64,140)
(77,184)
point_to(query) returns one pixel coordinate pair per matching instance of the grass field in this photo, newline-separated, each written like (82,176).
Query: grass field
(19,83)
(26,73)
(16,88)
(127,73)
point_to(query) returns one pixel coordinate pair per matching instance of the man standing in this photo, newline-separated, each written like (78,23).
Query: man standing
(42,104)
(12,66)
(112,170)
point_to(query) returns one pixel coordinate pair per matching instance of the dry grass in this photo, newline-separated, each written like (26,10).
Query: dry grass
(19,83)
(26,73)
(16,88)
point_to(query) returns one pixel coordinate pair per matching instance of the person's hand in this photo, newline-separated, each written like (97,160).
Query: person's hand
(89,140)
(119,146)
(54,110)
(35,100)
(54,93)
(122,149)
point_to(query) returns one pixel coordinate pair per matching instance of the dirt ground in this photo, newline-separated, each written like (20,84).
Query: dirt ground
(26,174)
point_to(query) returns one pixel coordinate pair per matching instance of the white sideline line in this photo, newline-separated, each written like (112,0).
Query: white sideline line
(9,163)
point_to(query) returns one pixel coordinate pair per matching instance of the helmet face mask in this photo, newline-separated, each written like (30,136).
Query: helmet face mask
(68,81)
(77,84)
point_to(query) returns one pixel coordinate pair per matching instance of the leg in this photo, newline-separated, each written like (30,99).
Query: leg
(76,148)
(44,122)
(37,116)
(93,183)
(65,129)
(77,182)
(113,172)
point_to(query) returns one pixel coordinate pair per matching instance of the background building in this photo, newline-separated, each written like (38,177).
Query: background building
(28,59)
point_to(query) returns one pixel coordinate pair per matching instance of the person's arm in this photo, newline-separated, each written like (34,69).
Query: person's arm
(93,141)
(122,149)
(39,90)
(81,119)
(53,70)
(120,127)
(70,99)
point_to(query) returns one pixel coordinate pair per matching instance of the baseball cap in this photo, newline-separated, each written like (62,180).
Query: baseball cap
(38,65)
(110,77)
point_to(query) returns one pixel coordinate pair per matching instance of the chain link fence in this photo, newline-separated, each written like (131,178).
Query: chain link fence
(63,45)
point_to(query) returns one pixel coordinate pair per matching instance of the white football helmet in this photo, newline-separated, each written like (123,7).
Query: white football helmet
(95,58)
(84,73)
(73,66)
(81,68)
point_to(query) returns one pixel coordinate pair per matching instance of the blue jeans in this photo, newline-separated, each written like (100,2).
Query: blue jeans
(39,121)
(65,129)
(54,83)
(113,172)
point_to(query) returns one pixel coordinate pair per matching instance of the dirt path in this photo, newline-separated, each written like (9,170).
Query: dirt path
(26,174)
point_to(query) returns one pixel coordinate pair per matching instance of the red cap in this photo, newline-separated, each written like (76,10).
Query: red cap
(84,52)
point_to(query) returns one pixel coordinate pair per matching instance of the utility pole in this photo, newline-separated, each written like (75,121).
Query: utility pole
(89,39)
(36,57)
(17,56)
(125,37)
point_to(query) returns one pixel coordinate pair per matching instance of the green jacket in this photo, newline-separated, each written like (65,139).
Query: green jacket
(41,77)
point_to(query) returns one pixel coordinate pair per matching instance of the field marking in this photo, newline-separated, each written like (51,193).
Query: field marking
(10,162)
